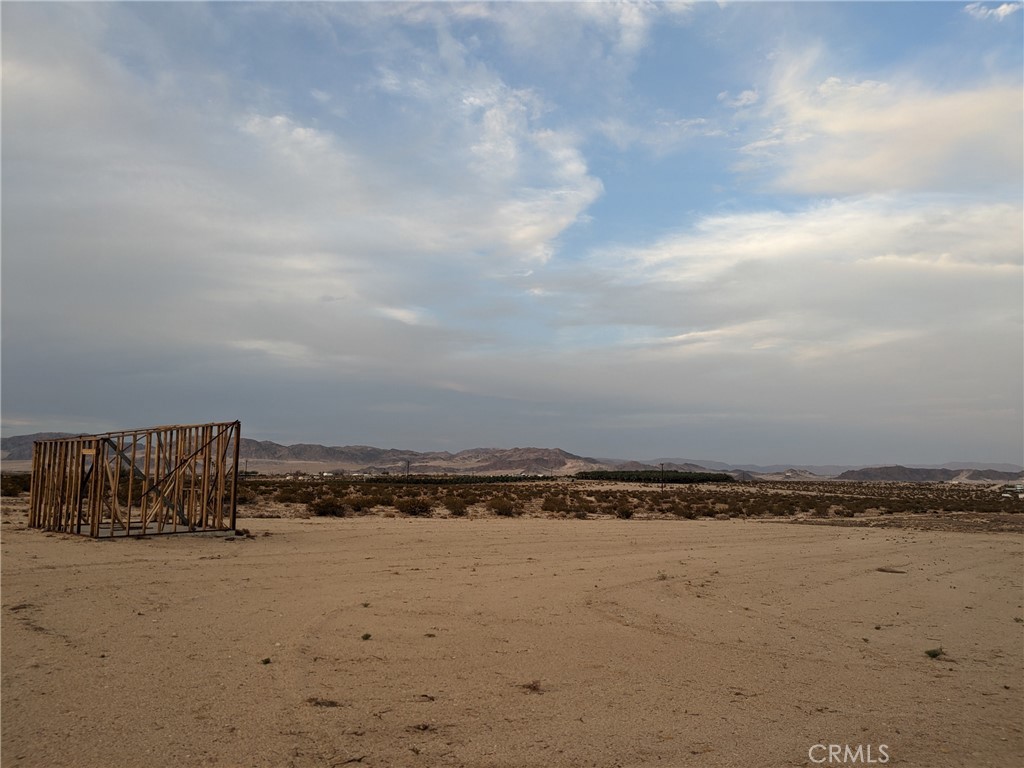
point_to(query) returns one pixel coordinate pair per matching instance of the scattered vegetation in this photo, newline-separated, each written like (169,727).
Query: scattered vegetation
(316,701)
(673,477)
(456,506)
(834,501)
(414,507)
(503,507)
(454,479)
(15,484)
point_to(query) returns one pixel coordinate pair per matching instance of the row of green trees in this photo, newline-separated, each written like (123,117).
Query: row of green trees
(669,477)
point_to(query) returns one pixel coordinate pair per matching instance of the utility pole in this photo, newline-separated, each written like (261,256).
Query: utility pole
(663,475)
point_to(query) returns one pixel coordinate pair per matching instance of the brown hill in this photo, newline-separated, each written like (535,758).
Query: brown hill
(900,474)
(366,459)
(19,447)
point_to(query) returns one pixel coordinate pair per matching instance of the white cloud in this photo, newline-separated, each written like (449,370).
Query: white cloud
(407,315)
(986,11)
(745,98)
(282,232)
(401,234)
(843,277)
(832,135)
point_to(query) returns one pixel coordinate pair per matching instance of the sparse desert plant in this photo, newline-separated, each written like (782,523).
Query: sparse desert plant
(360,503)
(295,493)
(456,506)
(554,504)
(247,495)
(316,701)
(327,506)
(684,511)
(582,508)
(414,507)
(503,507)
(13,485)
(934,653)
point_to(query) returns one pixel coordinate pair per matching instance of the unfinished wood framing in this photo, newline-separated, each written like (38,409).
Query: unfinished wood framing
(171,479)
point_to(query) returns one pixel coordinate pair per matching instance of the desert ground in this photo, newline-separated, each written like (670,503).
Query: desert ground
(394,641)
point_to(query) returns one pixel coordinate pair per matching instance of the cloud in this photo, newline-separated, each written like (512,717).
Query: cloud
(230,220)
(876,314)
(756,310)
(999,12)
(745,98)
(832,135)
(391,222)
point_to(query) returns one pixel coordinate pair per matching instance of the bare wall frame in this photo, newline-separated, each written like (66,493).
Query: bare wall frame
(170,479)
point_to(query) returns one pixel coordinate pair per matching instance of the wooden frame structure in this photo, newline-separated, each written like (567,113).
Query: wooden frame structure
(171,479)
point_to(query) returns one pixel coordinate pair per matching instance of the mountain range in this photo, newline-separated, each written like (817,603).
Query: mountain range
(268,456)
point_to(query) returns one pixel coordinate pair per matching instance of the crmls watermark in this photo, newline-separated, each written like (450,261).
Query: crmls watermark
(846,754)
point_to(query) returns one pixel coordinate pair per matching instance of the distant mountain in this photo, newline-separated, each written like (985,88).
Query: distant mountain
(544,461)
(350,454)
(19,447)
(979,465)
(821,470)
(363,458)
(831,470)
(924,474)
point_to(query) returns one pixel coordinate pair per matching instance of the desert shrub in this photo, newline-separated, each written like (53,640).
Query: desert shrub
(295,494)
(554,504)
(623,510)
(12,485)
(414,506)
(384,499)
(247,495)
(684,511)
(456,506)
(287,495)
(503,507)
(327,506)
(360,503)
(582,508)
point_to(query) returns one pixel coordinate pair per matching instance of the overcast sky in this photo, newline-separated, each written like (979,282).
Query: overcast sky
(749,232)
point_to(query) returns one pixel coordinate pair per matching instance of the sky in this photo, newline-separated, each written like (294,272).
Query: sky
(749,232)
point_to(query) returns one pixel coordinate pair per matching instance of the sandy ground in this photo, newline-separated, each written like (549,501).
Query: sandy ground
(512,642)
